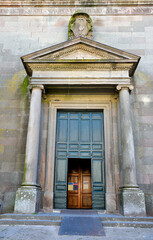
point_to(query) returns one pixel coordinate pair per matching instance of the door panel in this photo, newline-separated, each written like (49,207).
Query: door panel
(86,184)
(73,193)
(74,130)
(87,201)
(85,130)
(86,191)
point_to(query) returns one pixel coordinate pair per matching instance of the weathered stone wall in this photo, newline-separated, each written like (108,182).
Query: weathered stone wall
(22,34)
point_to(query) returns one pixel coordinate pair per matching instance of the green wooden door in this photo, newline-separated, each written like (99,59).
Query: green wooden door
(79,135)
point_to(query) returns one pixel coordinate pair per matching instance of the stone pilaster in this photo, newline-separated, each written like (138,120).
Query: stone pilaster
(131,198)
(28,197)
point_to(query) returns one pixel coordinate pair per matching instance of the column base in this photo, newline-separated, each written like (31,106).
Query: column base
(28,199)
(131,202)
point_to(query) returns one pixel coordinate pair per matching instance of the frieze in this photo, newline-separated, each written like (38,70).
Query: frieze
(79,66)
(68,11)
(74,2)
(97,53)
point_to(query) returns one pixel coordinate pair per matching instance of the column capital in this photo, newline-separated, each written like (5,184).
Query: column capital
(41,87)
(125,86)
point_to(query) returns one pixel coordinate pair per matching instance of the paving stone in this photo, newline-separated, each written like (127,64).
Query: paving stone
(51,232)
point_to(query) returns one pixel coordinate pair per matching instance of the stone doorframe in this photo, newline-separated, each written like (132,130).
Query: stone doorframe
(109,131)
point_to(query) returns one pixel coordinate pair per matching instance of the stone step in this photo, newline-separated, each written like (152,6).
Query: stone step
(30,217)
(50,219)
(127,224)
(30,222)
(126,219)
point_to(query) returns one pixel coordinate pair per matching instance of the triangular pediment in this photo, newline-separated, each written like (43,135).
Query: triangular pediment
(78,50)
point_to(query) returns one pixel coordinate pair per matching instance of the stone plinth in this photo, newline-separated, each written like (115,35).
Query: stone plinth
(131,202)
(28,199)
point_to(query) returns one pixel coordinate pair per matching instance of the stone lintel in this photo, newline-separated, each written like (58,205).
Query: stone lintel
(83,81)
(28,199)
(47,76)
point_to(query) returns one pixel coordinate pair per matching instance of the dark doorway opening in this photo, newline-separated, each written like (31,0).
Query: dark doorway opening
(79,183)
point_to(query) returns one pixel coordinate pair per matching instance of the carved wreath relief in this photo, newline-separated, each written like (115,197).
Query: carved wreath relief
(80,25)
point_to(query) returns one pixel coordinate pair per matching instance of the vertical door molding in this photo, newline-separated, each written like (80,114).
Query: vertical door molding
(106,106)
(49,180)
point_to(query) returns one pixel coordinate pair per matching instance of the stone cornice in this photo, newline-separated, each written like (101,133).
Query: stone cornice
(68,10)
(44,3)
(115,59)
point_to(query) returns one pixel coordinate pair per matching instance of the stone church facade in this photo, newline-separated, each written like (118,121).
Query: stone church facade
(76,106)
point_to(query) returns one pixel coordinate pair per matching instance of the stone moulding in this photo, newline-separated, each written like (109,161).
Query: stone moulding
(68,11)
(48,82)
(80,47)
(22,3)
(99,66)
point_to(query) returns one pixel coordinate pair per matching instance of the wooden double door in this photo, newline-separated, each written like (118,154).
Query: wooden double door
(79,183)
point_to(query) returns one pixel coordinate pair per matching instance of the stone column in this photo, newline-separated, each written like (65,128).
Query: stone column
(131,198)
(28,197)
